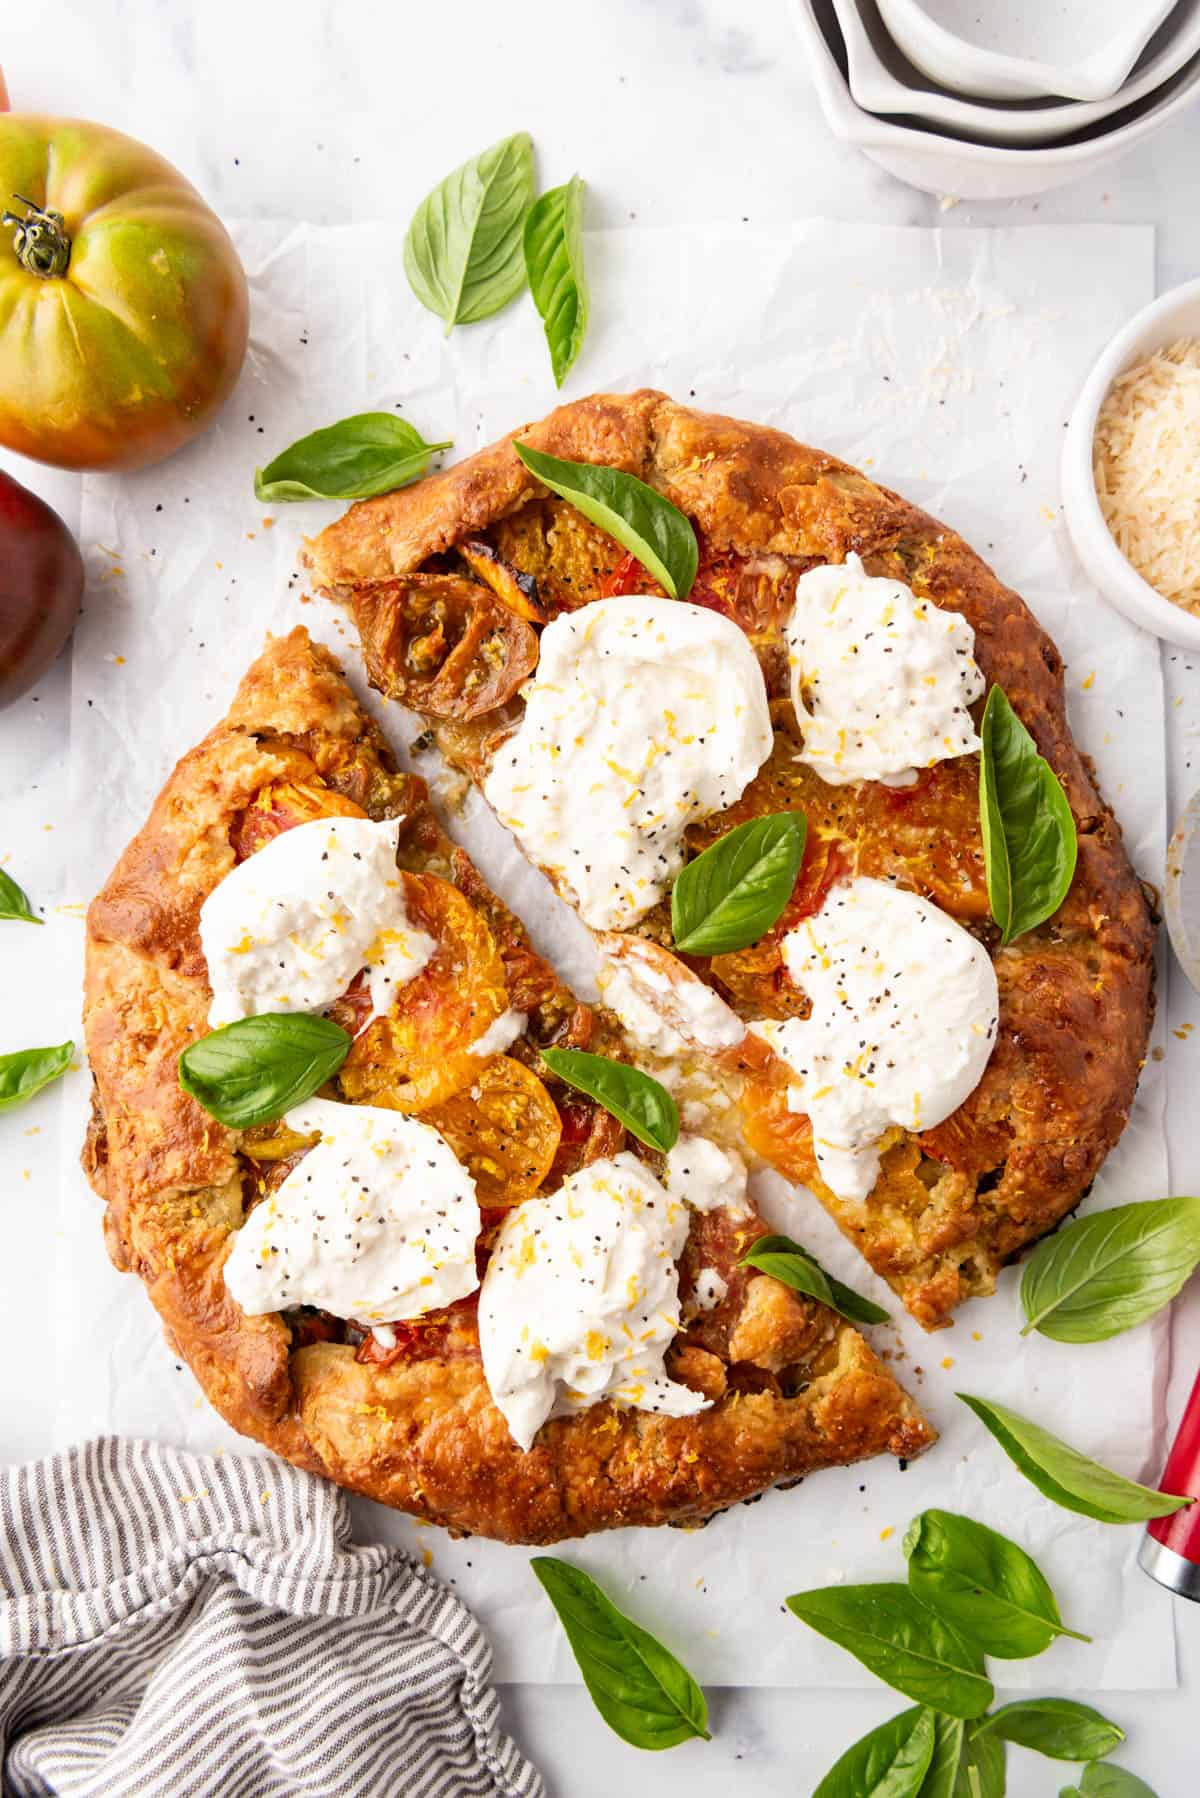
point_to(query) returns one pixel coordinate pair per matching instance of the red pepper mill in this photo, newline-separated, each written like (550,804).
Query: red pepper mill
(1170,1551)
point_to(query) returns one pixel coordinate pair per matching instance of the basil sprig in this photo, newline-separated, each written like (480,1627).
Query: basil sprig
(553,242)
(254,1070)
(912,1648)
(641,520)
(1108,1272)
(646,1108)
(371,452)
(463,252)
(785,1260)
(889,1762)
(966,1763)
(970,1592)
(989,1588)
(14,902)
(26,1071)
(1029,841)
(729,896)
(1065,1476)
(1059,1728)
(639,1688)
(1102,1780)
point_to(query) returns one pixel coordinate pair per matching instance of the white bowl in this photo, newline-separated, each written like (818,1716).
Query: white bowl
(882,80)
(1175,315)
(943,165)
(1024,49)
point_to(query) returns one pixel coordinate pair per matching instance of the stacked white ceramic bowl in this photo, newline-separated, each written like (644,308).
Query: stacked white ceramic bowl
(997,101)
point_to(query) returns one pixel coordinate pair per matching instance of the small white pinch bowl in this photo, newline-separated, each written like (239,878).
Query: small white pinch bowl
(971,171)
(1175,314)
(882,80)
(1083,49)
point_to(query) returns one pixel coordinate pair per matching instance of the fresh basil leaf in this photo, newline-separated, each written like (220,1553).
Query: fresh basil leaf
(1106,1273)
(1029,842)
(641,520)
(731,895)
(1102,1780)
(981,1772)
(965,1763)
(256,1069)
(1059,1728)
(645,1108)
(785,1260)
(14,903)
(1065,1476)
(941,1778)
(463,250)
(554,265)
(27,1071)
(909,1647)
(639,1688)
(889,1762)
(984,1584)
(372,452)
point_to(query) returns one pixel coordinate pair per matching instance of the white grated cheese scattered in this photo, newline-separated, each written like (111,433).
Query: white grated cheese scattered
(1147,473)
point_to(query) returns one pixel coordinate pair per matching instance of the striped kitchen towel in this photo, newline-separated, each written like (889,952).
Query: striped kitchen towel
(184,1625)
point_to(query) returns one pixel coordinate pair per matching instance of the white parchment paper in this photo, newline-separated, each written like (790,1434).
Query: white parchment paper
(946,365)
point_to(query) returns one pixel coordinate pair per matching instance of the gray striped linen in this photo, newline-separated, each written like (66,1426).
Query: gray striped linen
(183,1624)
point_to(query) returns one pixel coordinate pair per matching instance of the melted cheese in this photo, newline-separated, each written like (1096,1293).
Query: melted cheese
(905,1010)
(580,1300)
(881,680)
(377,1222)
(707,1177)
(644,715)
(290,927)
(662,1005)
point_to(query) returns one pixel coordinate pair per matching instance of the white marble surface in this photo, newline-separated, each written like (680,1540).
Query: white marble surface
(673,110)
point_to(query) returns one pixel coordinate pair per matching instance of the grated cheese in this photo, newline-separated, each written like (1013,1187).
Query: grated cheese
(1147,473)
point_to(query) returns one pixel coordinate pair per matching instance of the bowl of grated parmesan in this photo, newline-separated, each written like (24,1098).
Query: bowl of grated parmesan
(1131,469)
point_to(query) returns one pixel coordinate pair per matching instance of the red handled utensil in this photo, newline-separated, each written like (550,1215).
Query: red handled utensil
(1170,1551)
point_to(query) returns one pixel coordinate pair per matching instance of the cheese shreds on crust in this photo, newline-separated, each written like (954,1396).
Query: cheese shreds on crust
(1146,470)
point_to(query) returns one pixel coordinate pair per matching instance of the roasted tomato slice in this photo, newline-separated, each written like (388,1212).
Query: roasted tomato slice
(928,837)
(756,977)
(628,577)
(417,1055)
(516,591)
(280,806)
(504,1128)
(589,1133)
(756,592)
(446,1334)
(780,1136)
(443,644)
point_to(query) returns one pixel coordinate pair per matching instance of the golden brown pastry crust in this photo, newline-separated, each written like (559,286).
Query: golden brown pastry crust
(422,1435)
(1076,995)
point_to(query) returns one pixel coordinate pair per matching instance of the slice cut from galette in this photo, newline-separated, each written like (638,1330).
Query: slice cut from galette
(947,1088)
(445,1278)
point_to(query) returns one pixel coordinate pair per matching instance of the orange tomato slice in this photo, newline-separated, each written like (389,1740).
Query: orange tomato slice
(504,1128)
(417,1055)
(280,806)
(780,1136)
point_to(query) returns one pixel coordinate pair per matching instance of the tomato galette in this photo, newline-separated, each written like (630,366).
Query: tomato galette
(427,1266)
(949,1011)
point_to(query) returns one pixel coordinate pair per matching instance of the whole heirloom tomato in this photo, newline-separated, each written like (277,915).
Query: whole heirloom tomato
(41,587)
(123,306)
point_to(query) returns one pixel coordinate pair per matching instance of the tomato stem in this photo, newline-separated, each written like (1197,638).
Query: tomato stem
(40,241)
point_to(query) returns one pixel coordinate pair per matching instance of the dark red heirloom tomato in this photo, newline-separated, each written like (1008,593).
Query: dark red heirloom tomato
(41,587)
